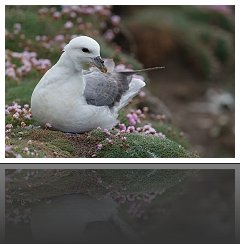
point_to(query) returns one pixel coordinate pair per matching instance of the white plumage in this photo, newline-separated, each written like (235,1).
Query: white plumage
(59,98)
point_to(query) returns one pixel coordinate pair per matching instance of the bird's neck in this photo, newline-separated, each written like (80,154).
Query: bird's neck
(66,61)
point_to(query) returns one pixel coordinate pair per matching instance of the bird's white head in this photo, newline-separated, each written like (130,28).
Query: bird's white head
(84,49)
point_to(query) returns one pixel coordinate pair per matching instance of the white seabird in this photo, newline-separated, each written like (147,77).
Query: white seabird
(74,100)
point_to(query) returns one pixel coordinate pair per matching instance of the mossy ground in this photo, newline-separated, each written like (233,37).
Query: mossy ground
(143,146)
(47,143)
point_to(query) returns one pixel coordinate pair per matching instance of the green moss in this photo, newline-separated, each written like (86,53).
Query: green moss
(142,146)
(41,143)
(172,133)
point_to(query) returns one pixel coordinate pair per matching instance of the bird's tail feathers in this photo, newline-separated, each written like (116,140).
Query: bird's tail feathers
(134,88)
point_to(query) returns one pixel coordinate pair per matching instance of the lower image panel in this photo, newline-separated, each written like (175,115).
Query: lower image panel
(49,206)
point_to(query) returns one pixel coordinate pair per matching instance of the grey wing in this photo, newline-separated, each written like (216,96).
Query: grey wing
(123,81)
(101,89)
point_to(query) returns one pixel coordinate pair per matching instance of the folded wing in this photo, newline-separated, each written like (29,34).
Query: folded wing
(105,89)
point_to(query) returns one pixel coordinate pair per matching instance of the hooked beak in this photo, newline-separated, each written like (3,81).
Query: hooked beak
(100,64)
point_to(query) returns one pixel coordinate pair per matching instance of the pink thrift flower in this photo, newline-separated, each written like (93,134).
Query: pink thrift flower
(9,126)
(68,25)
(59,38)
(25,149)
(139,112)
(99,146)
(106,131)
(10,72)
(115,19)
(73,15)
(16,116)
(28,116)
(146,127)
(130,129)
(109,141)
(122,127)
(89,10)
(98,8)
(223,9)
(17,28)
(56,15)
(109,35)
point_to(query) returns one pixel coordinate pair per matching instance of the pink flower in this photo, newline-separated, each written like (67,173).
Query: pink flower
(109,141)
(73,15)
(99,146)
(224,9)
(106,131)
(130,129)
(66,10)
(25,149)
(98,8)
(139,112)
(133,118)
(43,11)
(109,35)
(146,127)
(115,19)
(9,126)
(56,15)
(8,149)
(105,12)
(68,25)
(17,28)
(89,10)
(16,116)
(59,38)
(28,116)
(122,127)
(10,72)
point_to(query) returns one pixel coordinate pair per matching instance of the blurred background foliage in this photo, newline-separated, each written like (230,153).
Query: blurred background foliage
(195,92)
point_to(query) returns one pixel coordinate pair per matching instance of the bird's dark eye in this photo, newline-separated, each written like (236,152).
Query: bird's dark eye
(85,50)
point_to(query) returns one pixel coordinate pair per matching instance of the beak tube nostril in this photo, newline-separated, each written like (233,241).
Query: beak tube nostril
(100,64)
